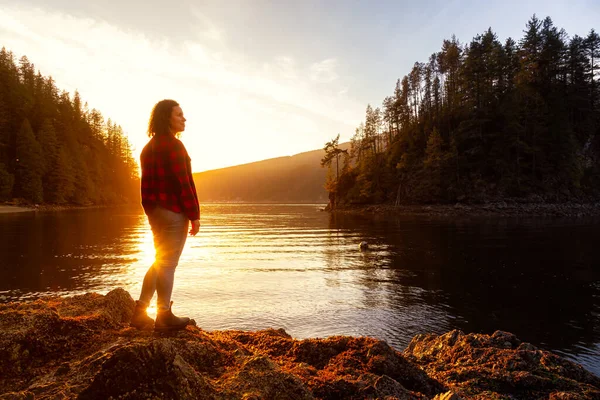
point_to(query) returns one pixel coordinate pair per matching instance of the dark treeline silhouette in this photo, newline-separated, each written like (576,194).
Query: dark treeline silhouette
(53,149)
(483,122)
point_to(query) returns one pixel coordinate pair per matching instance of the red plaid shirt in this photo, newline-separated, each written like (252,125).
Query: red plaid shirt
(167,177)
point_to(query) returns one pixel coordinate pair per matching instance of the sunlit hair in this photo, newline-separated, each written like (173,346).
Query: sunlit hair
(159,118)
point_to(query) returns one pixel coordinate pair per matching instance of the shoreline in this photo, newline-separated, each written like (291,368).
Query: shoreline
(84,346)
(4,209)
(14,209)
(492,209)
(496,209)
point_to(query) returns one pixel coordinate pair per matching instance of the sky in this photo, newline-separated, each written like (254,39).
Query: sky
(256,79)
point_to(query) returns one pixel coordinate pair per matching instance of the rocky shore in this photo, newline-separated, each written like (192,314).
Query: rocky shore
(495,209)
(13,209)
(82,347)
(17,208)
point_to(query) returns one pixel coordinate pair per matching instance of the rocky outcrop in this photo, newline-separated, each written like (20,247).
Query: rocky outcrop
(492,209)
(500,366)
(82,347)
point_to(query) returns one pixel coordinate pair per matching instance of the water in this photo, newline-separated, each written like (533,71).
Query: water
(295,267)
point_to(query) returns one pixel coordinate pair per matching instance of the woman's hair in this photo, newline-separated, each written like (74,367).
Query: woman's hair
(159,118)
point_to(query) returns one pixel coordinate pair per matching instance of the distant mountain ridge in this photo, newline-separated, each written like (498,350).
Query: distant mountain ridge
(298,178)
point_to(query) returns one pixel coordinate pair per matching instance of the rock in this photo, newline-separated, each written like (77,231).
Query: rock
(447,396)
(499,366)
(261,378)
(18,396)
(531,206)
(82,347)
(526,346)
(504,340)
(386,387)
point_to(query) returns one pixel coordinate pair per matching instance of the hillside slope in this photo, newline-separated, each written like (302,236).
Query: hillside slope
(297,178)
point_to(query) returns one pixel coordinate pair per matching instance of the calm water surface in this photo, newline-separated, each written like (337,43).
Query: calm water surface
(294,267)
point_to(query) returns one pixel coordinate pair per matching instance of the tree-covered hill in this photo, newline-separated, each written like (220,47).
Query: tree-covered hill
(298,178)
(53,149)
(484,121)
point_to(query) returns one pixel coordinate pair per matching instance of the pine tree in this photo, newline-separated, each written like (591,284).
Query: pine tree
(434,166)
(4,131)
(11,108)
(592,45)
(49,144)
(29,168)
(60,179)
(6,183)
(332,152)
(83,190)
(47,139)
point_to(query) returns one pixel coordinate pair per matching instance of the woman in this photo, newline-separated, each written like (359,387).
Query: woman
(170,202)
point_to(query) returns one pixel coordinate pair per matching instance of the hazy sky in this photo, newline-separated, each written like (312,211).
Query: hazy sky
(256,79)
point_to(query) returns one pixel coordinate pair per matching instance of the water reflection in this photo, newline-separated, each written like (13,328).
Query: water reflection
(537,278)
(294,267)
(63,252)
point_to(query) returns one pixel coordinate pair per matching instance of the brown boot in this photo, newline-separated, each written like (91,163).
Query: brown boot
(140,318)
(166,321)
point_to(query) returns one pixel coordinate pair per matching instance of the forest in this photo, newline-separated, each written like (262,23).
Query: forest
(481,122)
(53,149)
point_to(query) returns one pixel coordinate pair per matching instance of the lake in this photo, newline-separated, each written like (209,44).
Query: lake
(295,267)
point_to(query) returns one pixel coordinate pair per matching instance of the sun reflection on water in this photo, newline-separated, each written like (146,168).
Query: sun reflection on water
(293,267)
(145,247)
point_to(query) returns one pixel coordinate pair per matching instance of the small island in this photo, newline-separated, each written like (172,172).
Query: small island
(82,347)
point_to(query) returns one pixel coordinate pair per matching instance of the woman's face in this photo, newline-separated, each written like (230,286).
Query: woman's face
(177,120)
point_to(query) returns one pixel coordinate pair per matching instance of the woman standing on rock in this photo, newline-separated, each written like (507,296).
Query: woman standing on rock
(170,202)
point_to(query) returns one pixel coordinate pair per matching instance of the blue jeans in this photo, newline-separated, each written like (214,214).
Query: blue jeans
(170,230)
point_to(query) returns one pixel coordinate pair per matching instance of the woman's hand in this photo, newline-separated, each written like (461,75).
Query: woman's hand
(195,227)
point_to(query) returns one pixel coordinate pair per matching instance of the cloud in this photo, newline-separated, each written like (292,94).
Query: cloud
(324,71)
(207,28)
(279,102)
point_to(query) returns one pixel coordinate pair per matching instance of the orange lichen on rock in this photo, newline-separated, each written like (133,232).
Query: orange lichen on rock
(83,347)
(499,366)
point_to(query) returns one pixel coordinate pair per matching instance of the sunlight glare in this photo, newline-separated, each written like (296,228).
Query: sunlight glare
(151,310)
(146,248)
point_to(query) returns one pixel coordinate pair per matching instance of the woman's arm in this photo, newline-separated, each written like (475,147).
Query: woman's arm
(181,169)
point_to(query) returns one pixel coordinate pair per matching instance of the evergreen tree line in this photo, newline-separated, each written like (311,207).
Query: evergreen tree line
(53,149)
(482,122)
